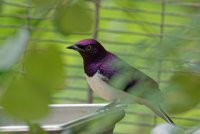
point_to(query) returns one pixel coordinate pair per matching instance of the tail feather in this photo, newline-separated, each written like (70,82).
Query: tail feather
(166,117)
(158,110)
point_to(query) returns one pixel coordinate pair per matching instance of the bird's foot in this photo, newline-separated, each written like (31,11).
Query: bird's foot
(112,106)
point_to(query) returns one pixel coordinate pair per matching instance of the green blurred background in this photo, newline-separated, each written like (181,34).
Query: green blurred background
(159,37)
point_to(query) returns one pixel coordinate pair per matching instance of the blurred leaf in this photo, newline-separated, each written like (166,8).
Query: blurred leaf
(183,93)
(45,3)
(35,128)
(193,30)
(1,1)
(170,44)
(43,7)
(194,65)
(125,3)
(12,49)
(44,68)
(5,78)
(25,101)
(102,122)
(73,16)
(28,97)
(127,6)
(193,9)
(194,130)
(167,129)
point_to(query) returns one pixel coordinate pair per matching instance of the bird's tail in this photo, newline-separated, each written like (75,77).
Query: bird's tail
(158,110)
(163,115)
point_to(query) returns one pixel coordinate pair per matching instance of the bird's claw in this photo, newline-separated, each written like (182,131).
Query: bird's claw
(111,107)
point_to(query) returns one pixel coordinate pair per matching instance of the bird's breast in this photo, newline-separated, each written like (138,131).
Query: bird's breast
(103,89)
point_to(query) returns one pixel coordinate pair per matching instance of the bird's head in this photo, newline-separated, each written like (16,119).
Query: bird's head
(89,49)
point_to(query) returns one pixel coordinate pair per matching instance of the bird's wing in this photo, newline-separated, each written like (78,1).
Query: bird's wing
(121,75)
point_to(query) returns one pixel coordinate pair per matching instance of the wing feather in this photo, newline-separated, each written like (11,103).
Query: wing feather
(123,76)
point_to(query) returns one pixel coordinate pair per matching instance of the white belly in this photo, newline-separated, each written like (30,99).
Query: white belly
(103,90)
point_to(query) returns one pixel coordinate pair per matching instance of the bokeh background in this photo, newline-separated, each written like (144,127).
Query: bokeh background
(159,37)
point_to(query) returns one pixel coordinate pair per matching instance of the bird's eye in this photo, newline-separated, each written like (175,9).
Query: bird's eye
(88,48)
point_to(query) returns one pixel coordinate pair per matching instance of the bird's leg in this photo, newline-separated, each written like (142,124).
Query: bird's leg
(107,107)
(112,105)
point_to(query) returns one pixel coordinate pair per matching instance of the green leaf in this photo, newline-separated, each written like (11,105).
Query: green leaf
(12,49)
(126,6)
(73,16)
(25,101)
(45,3)
(169,129)
(28,97)
(43,7)
(44,68)
(125,3)
(5,78)
(35,128)
(1,1)
(96,123)
(183,93)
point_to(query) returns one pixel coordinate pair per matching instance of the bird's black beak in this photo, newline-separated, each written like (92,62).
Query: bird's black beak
(75,47)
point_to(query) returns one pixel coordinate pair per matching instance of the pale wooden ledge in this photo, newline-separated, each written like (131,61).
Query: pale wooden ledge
(69,119)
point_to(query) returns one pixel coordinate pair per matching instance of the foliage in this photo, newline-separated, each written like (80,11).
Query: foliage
(45,3)
(102,122)
(183,92)
(168,129)
(183,85)
(1,5)
(24,100)
(30,76)
(12,49)
(26,82)
(28,96)
(36,129)
(38,64)
(70,14)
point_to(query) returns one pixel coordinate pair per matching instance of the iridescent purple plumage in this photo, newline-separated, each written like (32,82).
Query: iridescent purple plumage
(87,42)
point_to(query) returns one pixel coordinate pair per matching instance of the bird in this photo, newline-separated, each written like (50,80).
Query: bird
(116,81)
